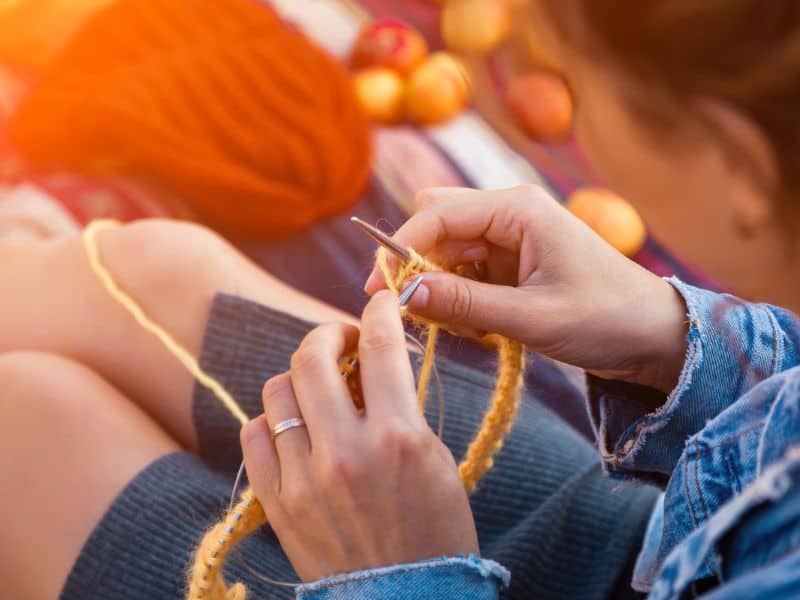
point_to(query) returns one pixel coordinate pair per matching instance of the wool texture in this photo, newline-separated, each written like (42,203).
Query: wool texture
(223,104)
(205,578)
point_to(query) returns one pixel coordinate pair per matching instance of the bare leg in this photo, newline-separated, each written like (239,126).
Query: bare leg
(53,303)
(69,443)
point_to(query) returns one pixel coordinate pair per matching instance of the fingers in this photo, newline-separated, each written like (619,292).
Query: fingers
(293,446)
(386,376)
(261,461)
(499,217)
(321,391)
(428,196)
(468,306)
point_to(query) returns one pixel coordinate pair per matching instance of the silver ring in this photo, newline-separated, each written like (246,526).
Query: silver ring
(287,425)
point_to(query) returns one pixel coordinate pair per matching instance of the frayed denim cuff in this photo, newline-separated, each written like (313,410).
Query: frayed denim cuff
(731,346)
(467,577)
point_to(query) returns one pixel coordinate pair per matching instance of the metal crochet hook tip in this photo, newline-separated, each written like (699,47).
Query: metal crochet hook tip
(383,239)
(405,295)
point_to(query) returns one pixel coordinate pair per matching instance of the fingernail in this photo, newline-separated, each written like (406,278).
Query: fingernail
(476,253)
(370,281)
(420,297)
(375,280)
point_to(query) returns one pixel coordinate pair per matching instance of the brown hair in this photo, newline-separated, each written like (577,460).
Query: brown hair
(746,52)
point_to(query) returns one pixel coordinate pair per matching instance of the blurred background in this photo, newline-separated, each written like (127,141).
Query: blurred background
(274,121)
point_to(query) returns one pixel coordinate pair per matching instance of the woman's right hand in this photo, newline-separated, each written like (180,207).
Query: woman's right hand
(551,283)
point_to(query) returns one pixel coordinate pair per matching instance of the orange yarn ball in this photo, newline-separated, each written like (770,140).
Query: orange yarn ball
(220,102)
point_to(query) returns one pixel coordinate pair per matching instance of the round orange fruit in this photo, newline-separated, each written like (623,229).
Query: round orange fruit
(437,90)
(389,43)
(613,218)
(380,91)
(541,104)
(476,26)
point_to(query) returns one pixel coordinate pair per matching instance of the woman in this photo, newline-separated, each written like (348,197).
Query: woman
(701,135)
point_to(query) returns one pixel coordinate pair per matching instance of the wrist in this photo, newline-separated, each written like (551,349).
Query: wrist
(667,330)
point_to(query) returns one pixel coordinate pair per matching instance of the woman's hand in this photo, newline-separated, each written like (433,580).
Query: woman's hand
(552,284)
(355,490)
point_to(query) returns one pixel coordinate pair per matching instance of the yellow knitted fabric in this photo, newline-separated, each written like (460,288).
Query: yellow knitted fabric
(508,388)
(206,580)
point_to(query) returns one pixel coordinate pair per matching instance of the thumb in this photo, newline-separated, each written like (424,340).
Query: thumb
(466,304)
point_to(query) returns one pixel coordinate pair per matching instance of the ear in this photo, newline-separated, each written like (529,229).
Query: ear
(750,161)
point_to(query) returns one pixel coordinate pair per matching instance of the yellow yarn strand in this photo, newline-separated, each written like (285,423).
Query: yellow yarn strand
(205,577)
(502,411)
(416,265)
(506,396)
(129,304)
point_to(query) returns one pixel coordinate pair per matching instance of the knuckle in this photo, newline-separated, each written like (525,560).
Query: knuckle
(531,190)
(338,469)
(461,304)
(530,198)
(308,356)
(276,386)
(401,439)
(424,198)
(297,496)
(314,347)
(378,339)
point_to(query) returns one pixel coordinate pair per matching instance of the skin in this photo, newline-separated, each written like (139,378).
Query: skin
(353,491)
(710,175)
(60,322)
(552,284)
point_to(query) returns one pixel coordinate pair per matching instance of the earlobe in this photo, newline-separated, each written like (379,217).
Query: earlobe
(750,162)
(751,215)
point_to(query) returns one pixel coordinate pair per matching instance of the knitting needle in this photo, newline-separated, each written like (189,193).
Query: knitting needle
(406,294)
(383,239)
(404,298)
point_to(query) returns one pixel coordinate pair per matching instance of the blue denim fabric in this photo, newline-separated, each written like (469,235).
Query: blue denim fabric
(725,444)
(470,578)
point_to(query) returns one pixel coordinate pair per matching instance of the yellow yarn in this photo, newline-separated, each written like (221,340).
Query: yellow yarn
(508,387)
(174,348)
(206,581)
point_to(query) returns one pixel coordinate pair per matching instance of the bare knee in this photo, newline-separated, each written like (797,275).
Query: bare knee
(36,385)
(69,442)
(181,266)
(173,257)
(52,394)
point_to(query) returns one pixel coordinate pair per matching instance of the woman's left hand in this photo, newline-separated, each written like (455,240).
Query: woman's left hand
(352,490)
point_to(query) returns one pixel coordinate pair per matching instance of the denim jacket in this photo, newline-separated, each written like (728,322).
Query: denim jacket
(725,445)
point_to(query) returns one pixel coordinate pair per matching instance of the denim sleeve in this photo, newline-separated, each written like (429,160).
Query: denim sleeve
(467,578)
(732,346)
